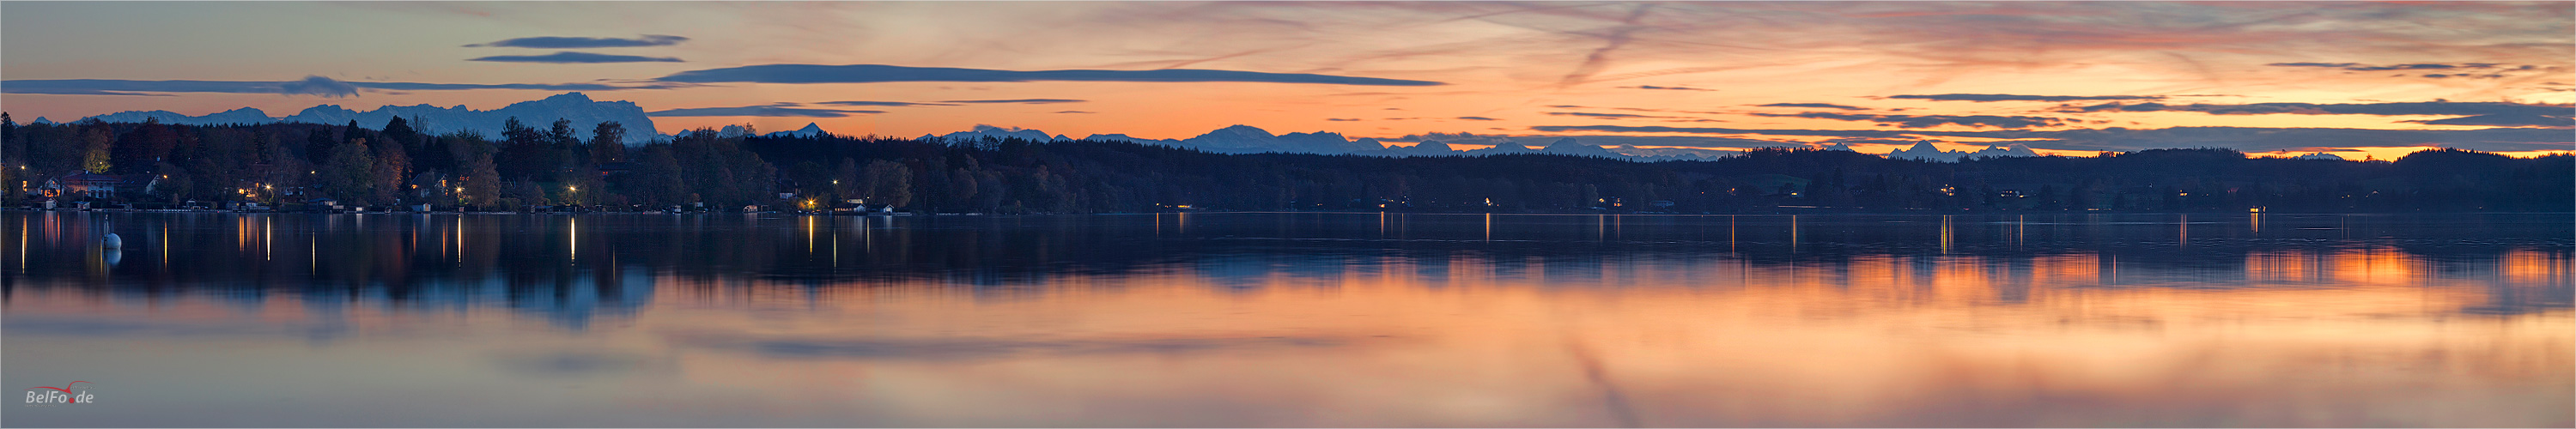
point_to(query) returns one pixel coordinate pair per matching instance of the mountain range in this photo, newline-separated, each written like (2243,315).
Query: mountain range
(580,109)
(1240,139)
(1923,150)
(586,113)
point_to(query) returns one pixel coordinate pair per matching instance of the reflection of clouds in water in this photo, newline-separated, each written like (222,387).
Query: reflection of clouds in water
(828,347)
(571,363)
(102,328)
(330,270)
(1259,321)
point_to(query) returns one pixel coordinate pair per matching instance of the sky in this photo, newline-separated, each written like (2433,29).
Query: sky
(2352,78)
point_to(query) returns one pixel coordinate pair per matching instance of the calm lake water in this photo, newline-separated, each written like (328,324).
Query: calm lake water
(1291,319)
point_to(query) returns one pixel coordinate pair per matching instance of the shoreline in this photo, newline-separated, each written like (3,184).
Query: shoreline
(909,214)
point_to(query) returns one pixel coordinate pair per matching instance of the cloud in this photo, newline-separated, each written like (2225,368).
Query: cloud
(310,85)
(401,86)
(2246,139)
(2461,70)
(2329,65)
(1674,88)
(1072,111)
(1606,115)
(1708,130)
(1927,121)
(2420,67)
(1018,101)
(2447,108)
(317,85)
(570,57)
(1863,140)
(2014,97)
(771,110)
(583,42)
(1813,105)
(2506,120)
(882,103)
(1477,118)
(1600,140)
(866,73)
(1341,119)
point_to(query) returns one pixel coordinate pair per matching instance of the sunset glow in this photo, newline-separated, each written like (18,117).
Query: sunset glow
(2063,78)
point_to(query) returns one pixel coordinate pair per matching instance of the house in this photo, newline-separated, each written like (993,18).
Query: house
(101,186)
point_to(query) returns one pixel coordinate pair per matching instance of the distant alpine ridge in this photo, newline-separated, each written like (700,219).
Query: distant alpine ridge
(584,113)
(1925,151)
(1240,139)
(1248,139)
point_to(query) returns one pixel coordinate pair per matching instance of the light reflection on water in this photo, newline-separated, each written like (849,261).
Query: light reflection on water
(1295,319)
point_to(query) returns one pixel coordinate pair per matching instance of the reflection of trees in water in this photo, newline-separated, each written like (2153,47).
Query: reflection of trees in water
(573,269)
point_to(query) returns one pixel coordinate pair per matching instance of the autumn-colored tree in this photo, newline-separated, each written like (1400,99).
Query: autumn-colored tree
(96,140)
(392,166)
(349,174)
(481,175)
(887,182)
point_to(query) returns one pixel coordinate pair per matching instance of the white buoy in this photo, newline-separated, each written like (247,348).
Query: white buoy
(111,241)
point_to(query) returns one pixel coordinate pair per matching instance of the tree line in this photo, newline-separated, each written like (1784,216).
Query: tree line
(556,164)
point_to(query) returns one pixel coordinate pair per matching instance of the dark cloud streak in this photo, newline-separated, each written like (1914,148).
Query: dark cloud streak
(2390,109)
(583,42)
(1019,101)
(1813,106)
(1606,115)
(570,57)
(870,73)
(310,85)
(2016,97)
(772,110)
(2506,120)
(1927,121)
(2240,138)
(1668,88)
(881,103)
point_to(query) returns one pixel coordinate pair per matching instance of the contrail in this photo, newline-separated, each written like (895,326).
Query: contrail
(1618,37)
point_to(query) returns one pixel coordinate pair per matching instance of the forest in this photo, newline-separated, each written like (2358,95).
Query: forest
(555,165)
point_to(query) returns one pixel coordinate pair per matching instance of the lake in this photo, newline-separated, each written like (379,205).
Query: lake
(1291,319)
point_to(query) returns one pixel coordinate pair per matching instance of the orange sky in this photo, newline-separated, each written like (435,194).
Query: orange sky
(1501,69)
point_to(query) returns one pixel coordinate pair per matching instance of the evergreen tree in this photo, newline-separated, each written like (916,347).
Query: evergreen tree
(318,145)
(608,143)
(561,135)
